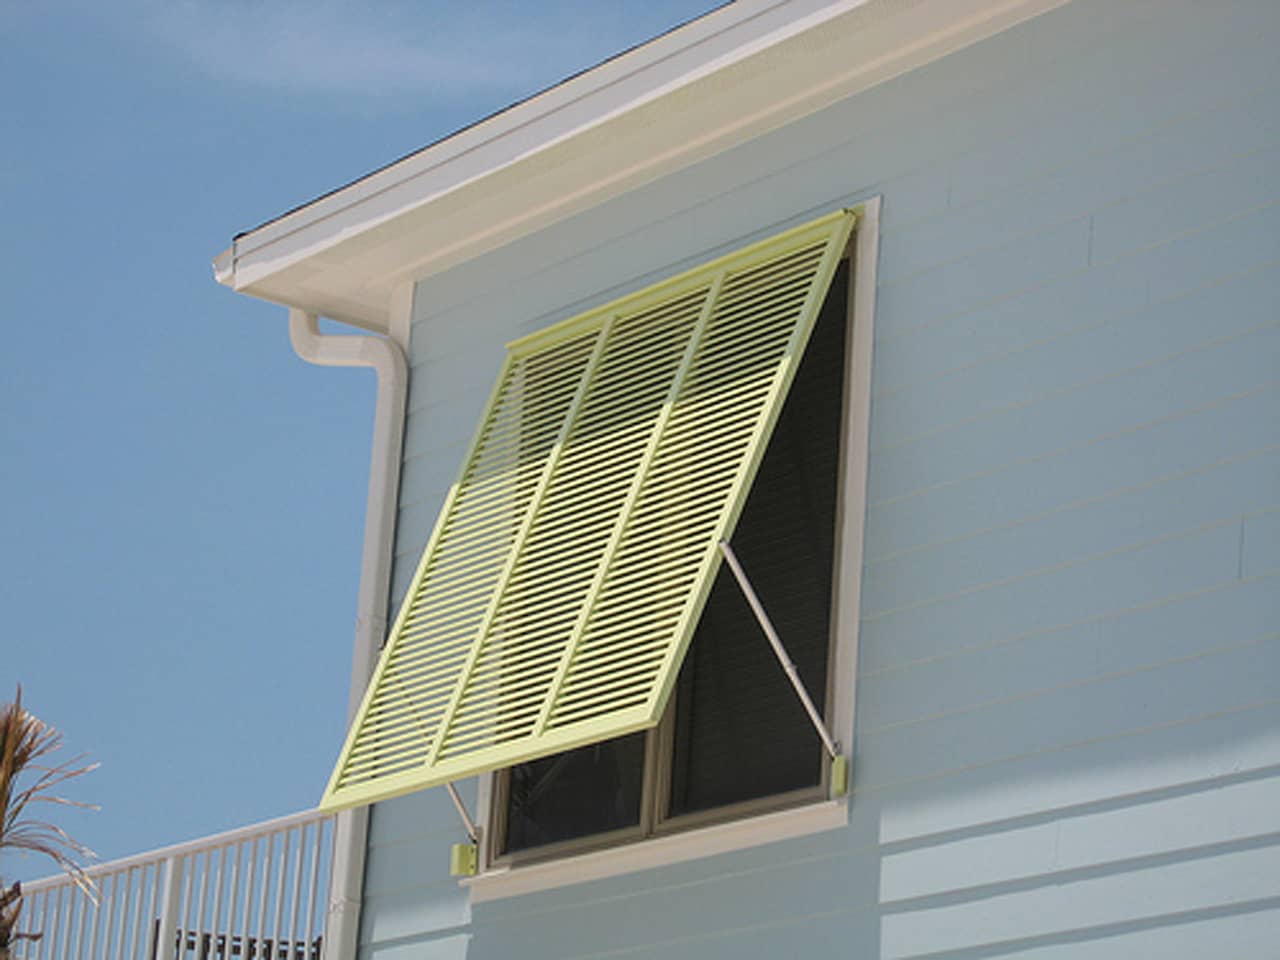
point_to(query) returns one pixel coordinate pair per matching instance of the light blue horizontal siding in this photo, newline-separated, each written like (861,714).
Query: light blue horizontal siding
(1095,527)
(1165,889)
(1068,738)
(1070,419)
(1123,767)
(1125,174)
(1260,543)
(1039,599)
(1180,440)
(1067,362)
(1230,612)
(1200,820)
(1178,692)
(951,343)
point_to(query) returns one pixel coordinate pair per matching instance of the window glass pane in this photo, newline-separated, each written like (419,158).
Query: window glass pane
(590,790)
(740,730)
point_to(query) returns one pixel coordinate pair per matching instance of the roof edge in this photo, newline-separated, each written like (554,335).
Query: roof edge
(569,95)
(295,259)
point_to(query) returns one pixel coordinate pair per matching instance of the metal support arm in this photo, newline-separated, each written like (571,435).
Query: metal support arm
(828,741)
(467,822)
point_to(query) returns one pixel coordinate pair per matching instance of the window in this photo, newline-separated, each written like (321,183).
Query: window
(575,563)
(735,738)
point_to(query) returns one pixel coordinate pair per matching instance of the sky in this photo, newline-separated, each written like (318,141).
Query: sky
(182,498)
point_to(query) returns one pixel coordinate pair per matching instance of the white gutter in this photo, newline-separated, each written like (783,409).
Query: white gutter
(387,359)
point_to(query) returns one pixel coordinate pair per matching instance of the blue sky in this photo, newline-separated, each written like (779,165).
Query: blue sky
(183,498)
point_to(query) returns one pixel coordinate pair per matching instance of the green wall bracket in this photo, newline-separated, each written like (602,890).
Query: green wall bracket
(839,775)
(463,859)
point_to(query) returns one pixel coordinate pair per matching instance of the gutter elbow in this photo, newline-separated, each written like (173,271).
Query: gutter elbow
(305,336)
(344,350)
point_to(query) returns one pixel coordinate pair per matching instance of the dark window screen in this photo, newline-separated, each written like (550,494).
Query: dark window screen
(593,789)
(740,731)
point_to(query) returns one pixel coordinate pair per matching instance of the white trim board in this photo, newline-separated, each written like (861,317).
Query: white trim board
(697,91)
(659,851)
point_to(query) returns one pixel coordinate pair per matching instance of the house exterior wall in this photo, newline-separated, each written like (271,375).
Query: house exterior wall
(1068,721)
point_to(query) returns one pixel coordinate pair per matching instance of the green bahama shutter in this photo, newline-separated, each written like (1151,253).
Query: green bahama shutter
(569,565)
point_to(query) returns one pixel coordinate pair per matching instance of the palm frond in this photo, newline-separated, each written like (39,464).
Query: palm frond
(25,743)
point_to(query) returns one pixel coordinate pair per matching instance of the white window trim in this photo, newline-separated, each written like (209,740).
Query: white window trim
(513,881)
(506,880)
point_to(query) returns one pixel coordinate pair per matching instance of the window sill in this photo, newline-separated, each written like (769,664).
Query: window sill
(514,881)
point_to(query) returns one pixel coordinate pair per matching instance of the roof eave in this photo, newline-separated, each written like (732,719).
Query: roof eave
(687,95)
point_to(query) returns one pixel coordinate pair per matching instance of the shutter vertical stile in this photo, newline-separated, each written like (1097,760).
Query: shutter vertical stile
(381,674)
(637,484)
(571,560)
(737,499)
(586,504)
(370,750)
(548,471)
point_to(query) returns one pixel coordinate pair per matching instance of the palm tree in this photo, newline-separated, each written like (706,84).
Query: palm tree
(25,742)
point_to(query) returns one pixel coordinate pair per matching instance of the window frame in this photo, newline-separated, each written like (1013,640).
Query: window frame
(655,841)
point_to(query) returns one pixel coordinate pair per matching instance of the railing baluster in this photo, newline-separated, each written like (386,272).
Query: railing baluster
(87,908)
(46,925)
(317,843)
(153,918)
(107,909)
(189,864)
(33,910)
(200,903)
(218,877)
(122,913)
(119,898)
(215,924)
(112,919)
(263,903)
(233,894)
(124,895)
(167,929)
(299,859)
(246,936)
(136,942)
(75,910)
(62,922)
(282,874)
(97,918)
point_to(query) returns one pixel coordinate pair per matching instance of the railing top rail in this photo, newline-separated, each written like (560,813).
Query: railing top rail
(213,841)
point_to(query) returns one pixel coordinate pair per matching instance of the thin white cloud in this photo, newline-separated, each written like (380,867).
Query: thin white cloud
(437,49)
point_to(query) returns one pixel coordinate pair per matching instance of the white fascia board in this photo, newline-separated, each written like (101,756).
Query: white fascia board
(548,117)
(712,84)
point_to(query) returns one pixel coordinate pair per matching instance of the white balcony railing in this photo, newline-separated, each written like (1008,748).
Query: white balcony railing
(256,892)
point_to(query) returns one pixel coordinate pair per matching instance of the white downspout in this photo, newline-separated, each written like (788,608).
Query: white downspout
(387,359)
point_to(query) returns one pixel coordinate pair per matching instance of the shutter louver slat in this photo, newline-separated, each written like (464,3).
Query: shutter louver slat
(557,595)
